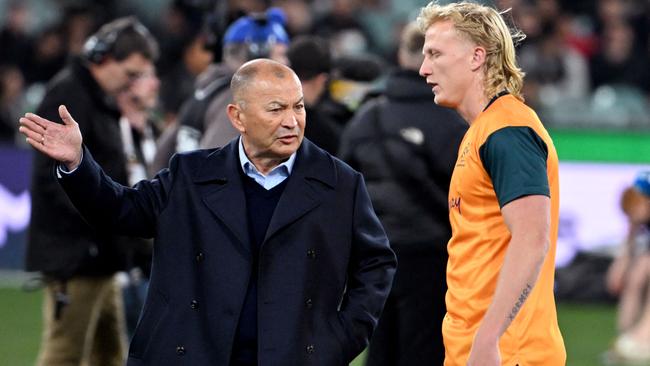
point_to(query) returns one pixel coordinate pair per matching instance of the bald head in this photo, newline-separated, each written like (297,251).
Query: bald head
(255,72)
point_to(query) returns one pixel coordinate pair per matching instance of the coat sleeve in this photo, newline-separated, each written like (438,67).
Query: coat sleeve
(371,271)
(110,206)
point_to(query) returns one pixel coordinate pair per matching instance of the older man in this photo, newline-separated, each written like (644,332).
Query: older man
(267,251)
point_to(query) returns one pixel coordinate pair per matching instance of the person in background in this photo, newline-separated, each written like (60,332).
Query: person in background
(15,40)
(406,148)
(629,276)
(12,89)
(310,58)
(83,320)
(185,54)
(139,131)
(354,79)
(503,195)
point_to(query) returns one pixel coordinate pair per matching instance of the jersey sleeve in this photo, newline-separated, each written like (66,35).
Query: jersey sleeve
(515,160)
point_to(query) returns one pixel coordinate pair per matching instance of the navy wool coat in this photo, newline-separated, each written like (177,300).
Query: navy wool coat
(325,267)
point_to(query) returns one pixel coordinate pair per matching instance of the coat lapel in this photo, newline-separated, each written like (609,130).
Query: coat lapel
(312,173)
(221,190)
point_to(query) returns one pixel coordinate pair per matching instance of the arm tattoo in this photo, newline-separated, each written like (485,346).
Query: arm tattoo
(520,302)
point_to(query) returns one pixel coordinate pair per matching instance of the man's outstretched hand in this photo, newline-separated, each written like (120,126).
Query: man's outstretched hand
(61,142)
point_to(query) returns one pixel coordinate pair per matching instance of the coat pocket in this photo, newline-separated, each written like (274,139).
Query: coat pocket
(154,312)
(340,336)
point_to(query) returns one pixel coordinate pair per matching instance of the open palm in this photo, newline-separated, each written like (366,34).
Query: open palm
(61,142)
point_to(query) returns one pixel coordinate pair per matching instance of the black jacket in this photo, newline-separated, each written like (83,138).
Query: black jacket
(322,129)
(60,242)
(406,147)
(324,268)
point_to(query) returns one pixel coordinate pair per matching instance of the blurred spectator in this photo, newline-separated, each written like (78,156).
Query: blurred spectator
(406,147)
(355,79)
(79,22)
(11,93)
(526,18)
(310,58)
(629,276)
(137,124)
(15,42)
(555,72)
(138,132)
(548,11)
(618,61)
(300,18)
(352,27)
(183,56)
(240,8)
(202,120)
(48,55)
(83,318)
(341,26)
(611,12)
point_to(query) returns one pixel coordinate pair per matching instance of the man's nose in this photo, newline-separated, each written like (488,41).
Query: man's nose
(424,69)
(290,121)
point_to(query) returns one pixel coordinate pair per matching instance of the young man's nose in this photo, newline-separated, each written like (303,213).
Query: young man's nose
(423,70)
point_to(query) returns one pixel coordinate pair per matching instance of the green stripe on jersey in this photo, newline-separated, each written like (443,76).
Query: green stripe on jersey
(515,160)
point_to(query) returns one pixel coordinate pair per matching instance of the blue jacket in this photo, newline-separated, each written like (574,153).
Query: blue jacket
(325,266)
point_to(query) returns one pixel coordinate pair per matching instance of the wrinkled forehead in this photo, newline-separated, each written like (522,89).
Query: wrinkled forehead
(285,85)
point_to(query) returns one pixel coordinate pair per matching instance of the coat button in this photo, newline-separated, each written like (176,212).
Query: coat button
(309,303)
(199,257)
(310,349)
(194,304)
(180,350)
(311,254)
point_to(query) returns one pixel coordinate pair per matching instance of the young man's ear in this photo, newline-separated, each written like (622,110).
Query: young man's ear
(235,116)
(478,58)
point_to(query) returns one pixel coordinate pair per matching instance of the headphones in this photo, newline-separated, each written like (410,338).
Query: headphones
(101,44)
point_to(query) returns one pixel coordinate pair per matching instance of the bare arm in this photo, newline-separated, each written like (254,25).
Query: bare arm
(528,219)
(617,270)
(61,142)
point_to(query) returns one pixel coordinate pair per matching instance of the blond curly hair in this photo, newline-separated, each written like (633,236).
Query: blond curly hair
(485,27)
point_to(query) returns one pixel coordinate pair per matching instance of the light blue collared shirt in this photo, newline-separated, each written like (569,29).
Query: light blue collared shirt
(275,176)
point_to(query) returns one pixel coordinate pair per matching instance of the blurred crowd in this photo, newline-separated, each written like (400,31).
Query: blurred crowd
(586,62)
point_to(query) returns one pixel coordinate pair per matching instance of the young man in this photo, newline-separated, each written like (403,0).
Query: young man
(503,196)
(267,251)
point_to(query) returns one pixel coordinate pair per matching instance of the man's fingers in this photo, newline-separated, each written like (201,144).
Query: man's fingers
(44,123)
(31,125)
(37,145)
(31,134)
(65,115)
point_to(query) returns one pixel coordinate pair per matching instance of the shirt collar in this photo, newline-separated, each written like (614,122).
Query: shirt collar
(247,166)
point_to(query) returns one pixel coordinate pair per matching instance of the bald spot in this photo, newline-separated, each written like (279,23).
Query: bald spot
(257,70)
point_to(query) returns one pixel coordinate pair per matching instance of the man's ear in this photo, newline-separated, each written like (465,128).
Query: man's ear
(235,115)
(478,58)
